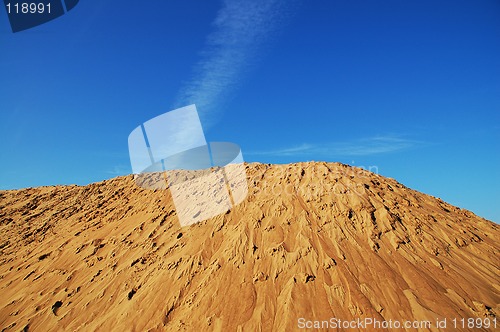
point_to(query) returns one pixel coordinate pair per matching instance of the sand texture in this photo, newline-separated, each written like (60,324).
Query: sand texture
(311,240)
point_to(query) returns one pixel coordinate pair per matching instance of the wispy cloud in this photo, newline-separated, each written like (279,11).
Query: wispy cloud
(361,147)
(119,170)
(240,27)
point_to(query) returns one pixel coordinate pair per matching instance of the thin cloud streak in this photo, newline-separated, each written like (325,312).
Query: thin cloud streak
(363,147)
(119,170)
(239,29)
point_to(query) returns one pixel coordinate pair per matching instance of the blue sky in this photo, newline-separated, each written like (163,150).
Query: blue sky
(411,87)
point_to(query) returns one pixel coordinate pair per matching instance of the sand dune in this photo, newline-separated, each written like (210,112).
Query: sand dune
(311,240)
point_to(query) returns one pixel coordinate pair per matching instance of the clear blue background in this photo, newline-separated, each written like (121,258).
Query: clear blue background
(411,87)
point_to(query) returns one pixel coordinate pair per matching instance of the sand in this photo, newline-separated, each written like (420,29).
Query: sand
(311,241)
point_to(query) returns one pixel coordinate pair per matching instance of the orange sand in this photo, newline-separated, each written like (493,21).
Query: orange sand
(311,240)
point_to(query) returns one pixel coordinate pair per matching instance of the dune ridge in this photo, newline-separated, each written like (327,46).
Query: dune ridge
(311,240)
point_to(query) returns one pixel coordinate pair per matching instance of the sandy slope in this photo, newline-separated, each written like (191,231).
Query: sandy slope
(311,240)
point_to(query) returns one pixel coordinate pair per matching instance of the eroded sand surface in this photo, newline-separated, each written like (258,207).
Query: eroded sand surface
(311,240)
